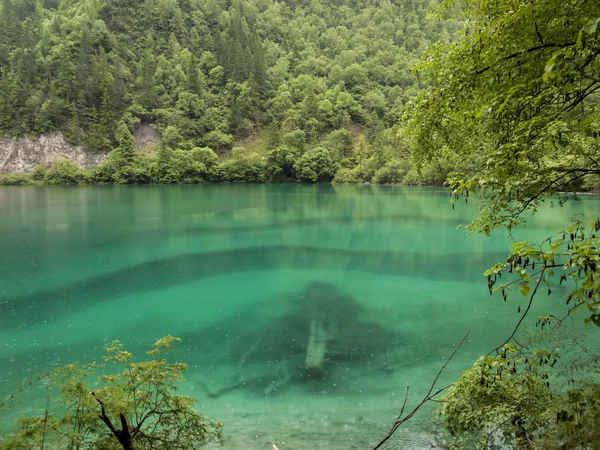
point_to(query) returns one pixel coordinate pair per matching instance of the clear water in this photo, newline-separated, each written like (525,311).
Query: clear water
(239,272)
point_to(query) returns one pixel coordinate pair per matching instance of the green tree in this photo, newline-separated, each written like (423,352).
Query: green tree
(133,409)
(315,166)
(217,71)
(516,101)
(516,97)
(64,171)
(280,163)
(243,167)
(339,144)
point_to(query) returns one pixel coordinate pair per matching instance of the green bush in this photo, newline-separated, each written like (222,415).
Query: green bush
(339,144)
(347,163)
(295,139)
(206,156)
(141,170)
(243,167)
(64,171)
(217,139)
(115,170)
(171,137)
(137,406)
(280,164)
(209,158)
(345,175)
(315,166)
(393,172)
(432,174)
(369,167)
(39,172)
(179,166)
(14,180)
(103,173)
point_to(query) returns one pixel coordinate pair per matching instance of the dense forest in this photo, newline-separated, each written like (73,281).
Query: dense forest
(253,90)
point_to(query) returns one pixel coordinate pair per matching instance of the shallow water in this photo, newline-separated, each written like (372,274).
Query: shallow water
(239,272)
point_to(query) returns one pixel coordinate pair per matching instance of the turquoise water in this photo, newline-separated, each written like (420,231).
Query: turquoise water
(239,272)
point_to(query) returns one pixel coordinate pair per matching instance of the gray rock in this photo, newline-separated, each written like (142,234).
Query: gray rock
(145,137)
(20,155)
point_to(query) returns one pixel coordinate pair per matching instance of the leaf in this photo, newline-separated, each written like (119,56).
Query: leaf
(550,64)
(547,77)
(592,26)
(525,289)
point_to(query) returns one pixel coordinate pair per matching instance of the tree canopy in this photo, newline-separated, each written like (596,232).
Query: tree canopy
(516,99)
(218,74)
(133,409)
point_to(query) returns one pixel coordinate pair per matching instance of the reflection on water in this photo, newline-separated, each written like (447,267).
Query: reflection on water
(304,310)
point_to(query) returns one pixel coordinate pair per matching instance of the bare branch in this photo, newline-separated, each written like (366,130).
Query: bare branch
(428,397)
(512,335)
(529,50)
(104,417)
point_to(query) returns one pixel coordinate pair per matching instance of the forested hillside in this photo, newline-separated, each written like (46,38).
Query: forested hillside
(279,90)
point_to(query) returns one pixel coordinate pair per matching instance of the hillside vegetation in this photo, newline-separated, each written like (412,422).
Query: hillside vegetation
(243,90)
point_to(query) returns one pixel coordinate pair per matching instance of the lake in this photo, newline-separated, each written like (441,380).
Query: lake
(247,276)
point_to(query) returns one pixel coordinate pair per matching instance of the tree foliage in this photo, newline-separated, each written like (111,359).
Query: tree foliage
(516,99)
(137,408)
(211,74)
(315,165)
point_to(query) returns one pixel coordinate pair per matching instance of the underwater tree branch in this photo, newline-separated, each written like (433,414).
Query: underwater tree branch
(241,378)
(428,397)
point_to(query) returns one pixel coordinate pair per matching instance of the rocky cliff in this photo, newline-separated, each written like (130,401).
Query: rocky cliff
(18,155)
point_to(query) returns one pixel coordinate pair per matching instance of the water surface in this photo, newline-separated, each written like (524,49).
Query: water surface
(239,272)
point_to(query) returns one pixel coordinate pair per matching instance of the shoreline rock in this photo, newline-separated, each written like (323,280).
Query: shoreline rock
(21,155)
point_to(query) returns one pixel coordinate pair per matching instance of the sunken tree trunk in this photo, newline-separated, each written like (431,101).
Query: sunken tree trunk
(316,349)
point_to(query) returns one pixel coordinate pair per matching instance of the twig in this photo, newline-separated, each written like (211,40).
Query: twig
(429,396)
(512,335)
(7,401)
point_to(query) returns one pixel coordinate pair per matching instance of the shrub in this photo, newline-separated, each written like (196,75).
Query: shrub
(295,139)
(280,164)
(345,175)
(315,166)
(179,166)
(339,144)
(171,137)
(206,156)
(243,167)
(393,172)
(14,180)
(39,172)
(431,174)
(136,406)
(217,139)
(64,171)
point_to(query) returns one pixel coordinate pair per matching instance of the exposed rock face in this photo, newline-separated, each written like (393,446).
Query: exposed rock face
(18,155)
(146,138)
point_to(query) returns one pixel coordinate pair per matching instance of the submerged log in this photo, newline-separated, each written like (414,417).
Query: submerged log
(241,378)
(316,349)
